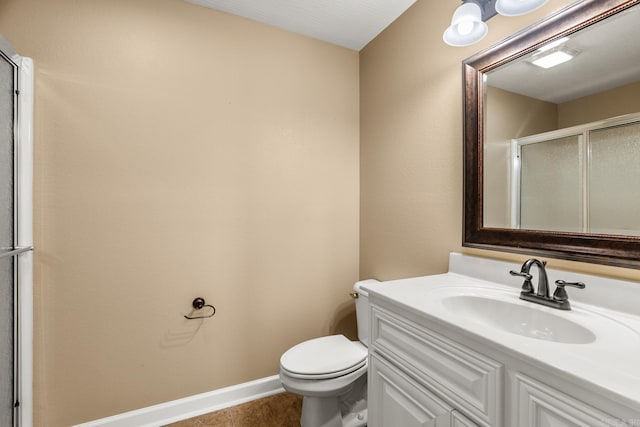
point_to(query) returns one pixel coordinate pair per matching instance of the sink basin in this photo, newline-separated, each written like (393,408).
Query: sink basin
(516,318)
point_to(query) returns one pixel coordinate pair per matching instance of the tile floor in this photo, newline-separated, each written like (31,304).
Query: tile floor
(279,410)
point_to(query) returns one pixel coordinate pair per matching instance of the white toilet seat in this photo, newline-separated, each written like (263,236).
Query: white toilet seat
(328,375)
(329,387)
(324,358)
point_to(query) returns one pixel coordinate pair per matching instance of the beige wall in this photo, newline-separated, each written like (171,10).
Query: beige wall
(411,145)
(411,140)
(509,115)
(615,102)
(181,152)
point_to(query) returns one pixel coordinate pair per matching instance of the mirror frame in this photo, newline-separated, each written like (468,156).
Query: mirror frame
(617,250)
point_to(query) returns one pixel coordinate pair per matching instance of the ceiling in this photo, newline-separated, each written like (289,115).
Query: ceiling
(348,23)
(609,57)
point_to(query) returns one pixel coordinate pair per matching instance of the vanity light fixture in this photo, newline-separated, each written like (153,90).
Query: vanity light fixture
(517,7)
(468,23)
(466,26)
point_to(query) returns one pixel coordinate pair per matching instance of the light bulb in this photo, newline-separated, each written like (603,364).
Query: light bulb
(465,27)
(517,7)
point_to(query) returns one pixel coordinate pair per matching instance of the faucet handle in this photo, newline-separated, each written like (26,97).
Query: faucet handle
(527,287)
(561,294)
(526,276)
(562,284)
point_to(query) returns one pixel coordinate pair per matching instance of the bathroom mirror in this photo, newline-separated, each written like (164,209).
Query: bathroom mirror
(552,152)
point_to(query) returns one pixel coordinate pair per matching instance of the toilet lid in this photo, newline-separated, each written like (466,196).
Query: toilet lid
(334,354)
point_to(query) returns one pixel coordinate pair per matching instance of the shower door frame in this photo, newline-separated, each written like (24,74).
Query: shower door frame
(23,234)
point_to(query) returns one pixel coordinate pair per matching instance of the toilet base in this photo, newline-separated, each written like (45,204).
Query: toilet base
(348,410)
(320,412)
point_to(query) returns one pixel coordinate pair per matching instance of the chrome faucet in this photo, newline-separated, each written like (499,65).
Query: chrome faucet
(559,300)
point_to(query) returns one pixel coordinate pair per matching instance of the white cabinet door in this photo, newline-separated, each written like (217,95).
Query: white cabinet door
(467,379)
(459,420)
(542,406)
(396,400)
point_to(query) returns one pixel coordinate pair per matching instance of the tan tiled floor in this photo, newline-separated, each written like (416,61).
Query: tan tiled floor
(280,410)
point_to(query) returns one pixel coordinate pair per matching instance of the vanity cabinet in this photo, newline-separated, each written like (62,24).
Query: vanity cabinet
(459,420)
(422,375)
(540,405)
(398,400)
(423,378)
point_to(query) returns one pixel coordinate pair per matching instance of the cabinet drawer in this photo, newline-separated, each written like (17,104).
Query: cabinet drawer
(467,379)
(540,405)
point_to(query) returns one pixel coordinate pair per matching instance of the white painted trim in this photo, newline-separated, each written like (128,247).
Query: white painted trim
(24,153)
(192,406)
(514,184)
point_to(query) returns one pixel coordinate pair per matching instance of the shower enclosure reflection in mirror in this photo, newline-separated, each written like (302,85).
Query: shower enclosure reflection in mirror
(16,238)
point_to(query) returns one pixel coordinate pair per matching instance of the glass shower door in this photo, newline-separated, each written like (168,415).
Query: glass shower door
(550,185)
(614,193)
(8,325)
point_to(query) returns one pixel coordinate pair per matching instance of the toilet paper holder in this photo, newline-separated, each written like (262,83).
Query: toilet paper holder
(198,304)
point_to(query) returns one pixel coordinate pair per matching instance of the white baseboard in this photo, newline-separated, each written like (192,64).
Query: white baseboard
(192,406)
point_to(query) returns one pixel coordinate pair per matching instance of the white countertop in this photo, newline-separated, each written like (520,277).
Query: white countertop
(611,362)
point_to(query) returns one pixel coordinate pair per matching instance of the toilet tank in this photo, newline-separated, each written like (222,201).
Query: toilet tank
(362,310)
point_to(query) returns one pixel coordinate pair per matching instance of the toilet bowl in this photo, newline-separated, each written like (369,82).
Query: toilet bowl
(331,374)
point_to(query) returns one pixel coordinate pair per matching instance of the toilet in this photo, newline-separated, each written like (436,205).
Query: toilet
(331,373)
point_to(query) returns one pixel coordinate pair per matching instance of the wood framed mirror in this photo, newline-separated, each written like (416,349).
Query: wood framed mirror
(586,207)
